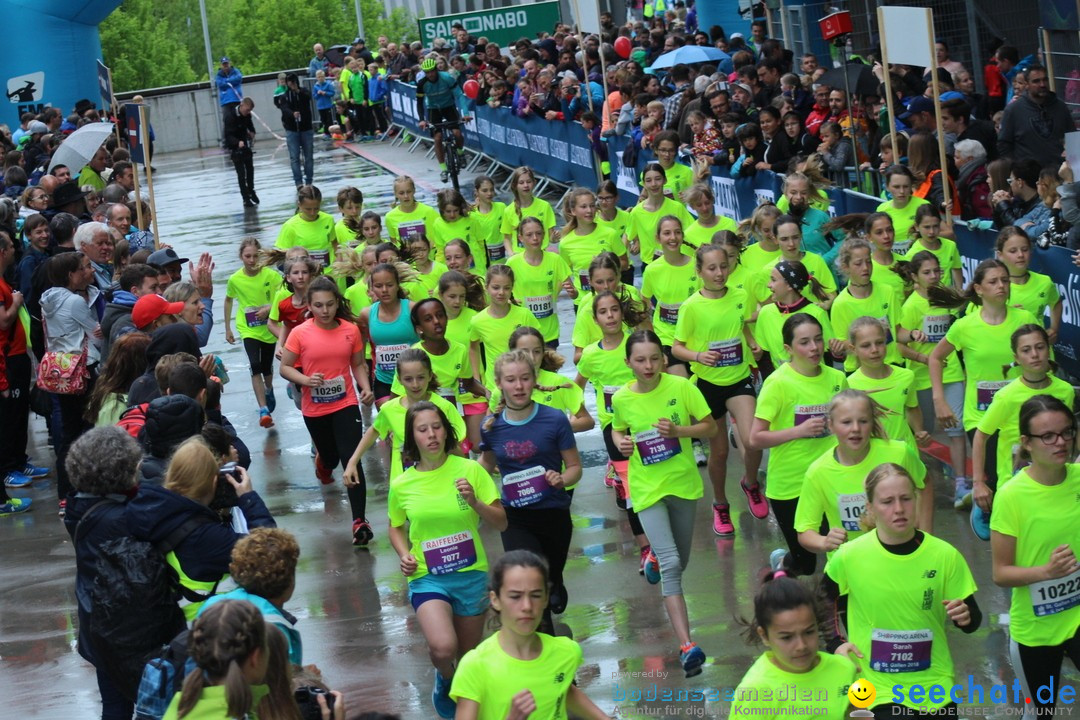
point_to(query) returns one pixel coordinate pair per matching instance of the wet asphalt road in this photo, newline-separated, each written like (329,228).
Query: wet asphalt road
(354,614)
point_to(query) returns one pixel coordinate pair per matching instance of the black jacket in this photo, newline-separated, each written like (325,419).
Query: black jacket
(170,420)
(291,102)
(1035,131)
(238,129)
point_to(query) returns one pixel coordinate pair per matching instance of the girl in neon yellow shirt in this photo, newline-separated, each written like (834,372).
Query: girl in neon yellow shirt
(350,202)
(522,183)
(408,217)
(1036,530)
(789,238)
(603,364)
(454,221)
(539,276)
(459,313)
(581,239)
(666,284)
(655,416)
(611,216)
(487,214)
(646,215)
(253,290)
(371,229)
(786,621)
(509,674)
(428,271)
(927,231)
(1029,290)
(459,257)
(712,335)
(700,198)
(604,276)
(891,386)
(788,283)
(902,588)
(490,328)
(790,418)
(900,183)
(878,229)
(435,509)
(310,227)
(834,482)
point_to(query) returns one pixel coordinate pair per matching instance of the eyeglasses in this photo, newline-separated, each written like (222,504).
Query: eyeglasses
(1068,435)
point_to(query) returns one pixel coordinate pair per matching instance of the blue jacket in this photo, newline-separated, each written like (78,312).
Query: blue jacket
(324,94)
(283,620)
(229,86)
(377,88)
(205,553)
(580,103)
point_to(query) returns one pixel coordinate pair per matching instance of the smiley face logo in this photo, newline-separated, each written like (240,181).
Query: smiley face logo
(861,693)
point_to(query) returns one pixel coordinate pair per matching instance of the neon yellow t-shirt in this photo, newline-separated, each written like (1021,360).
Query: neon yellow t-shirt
(838,491)
(697,235)
(316,235)
(895,611)
(1040,518)
(1035,296)
(441,232)
(769,327)
(494,334)
(882,304)
(563,394)
(426,284)
(667,287)
(717,324)
(539,209)
(620,224)
(1003,416)
(902,219)
(450,369)
(405,225)
(580,250)
(390,423)
(761,692)
(679,178)
(250,293)
(443,529)
(538,288)
(488,229)
(986,350)
(345,236)
(606,371)
(755,257)
(788,399)
(586,331)
(948,256)
(457,331)
(491,678)
(884,275)
(895,394)
(916,314)
(643,225)
(660,466)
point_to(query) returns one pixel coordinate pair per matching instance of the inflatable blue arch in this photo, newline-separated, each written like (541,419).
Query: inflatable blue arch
(51,59)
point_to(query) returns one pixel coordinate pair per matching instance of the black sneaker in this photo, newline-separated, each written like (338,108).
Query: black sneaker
(444,176)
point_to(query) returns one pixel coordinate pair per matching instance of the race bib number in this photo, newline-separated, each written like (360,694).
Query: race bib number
(851,508)
(729,351)
(898,651)
(1053,596)
(251,317)
(525,487)
(410,231)
(540,306)
(653,448)
(609,393)
(447,394)
(496,253)
(900,247)
(330,391)
(320,256)
(935,327)
(586,286)
(668,312)
(985,390)
(449,553)
(808,412)
(884,320)
(386,356)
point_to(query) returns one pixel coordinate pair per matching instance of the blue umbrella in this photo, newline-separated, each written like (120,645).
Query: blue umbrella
(690,55)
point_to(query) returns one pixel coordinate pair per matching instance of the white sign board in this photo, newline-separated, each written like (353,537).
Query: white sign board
(587,14)
(1072,151)
(907,33)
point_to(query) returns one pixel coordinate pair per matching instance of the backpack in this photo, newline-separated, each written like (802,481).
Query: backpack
(133,419)
(162,678)
(134,601)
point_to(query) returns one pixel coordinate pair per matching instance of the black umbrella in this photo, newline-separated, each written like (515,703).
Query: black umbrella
(336,55)
(860,79)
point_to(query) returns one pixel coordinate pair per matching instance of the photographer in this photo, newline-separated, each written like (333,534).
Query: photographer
(239,134)
(574,102)
(202,558)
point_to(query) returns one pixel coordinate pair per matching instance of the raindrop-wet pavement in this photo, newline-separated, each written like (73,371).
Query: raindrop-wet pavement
(352,605)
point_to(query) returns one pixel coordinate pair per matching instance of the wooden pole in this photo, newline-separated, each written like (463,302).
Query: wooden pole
(888,90)
(942,158)
(1048,59)
(144,125)
(138,198)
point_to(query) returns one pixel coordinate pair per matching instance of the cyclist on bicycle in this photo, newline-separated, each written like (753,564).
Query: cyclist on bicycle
(440,92)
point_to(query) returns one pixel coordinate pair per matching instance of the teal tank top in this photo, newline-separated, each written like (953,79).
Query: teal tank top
(390,340)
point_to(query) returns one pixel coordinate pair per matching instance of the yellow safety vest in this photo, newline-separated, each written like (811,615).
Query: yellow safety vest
(201,587)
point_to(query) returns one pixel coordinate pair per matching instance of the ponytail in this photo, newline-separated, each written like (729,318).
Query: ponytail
(950,298)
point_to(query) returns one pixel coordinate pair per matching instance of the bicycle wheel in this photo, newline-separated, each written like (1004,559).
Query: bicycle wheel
(453,162)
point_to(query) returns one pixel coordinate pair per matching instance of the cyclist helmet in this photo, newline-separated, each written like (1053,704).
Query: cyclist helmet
(428,64)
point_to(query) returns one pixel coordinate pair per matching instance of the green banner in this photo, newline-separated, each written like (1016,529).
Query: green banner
(504,26)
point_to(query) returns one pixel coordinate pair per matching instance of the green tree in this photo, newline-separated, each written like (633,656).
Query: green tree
(141,50)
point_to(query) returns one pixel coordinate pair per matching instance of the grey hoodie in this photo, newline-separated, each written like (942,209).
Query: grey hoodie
(69,320)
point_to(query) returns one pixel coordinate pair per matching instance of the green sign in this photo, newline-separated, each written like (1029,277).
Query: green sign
(504,26)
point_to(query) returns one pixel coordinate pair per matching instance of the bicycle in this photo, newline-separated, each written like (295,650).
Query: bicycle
(455,163)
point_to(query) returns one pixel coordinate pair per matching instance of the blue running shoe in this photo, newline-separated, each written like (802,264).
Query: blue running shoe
(440,697)
(17,480)
(271,401)
(776,559)
(34,471)
(692,658)
(14,506)
(652,568)
(980,522)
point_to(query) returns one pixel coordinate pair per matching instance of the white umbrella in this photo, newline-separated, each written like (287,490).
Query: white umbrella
(79,147)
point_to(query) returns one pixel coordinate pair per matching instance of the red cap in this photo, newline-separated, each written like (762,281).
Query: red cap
(149,308)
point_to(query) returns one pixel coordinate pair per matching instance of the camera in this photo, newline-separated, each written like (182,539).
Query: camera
(572,90)
(224,492)
(306,699)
